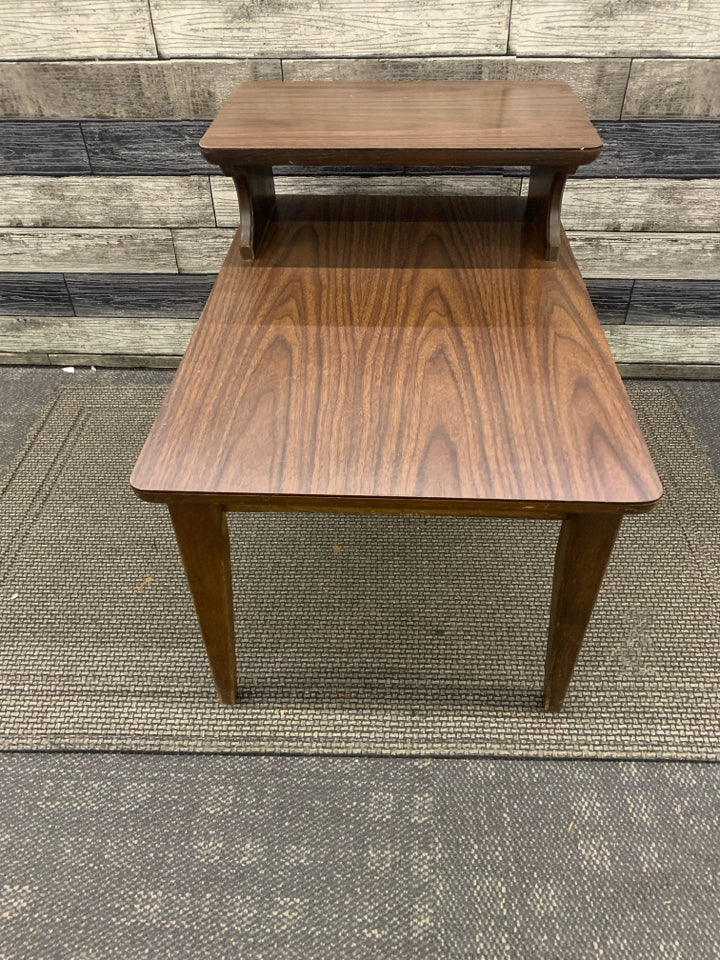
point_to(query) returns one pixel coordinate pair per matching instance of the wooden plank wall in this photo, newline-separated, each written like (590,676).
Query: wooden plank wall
(112,225)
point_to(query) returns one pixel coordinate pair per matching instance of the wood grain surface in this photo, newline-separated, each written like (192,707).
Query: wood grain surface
(97,251)
(650,28)
(42,147)
(347,28)
(35,293)
(137,295)
(75,29)
(673,88)
(675,301)
(657,148)
(426,122)
(407,363)
(136,147)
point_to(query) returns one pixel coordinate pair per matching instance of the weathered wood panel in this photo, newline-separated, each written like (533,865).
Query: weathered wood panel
(600,255)
(642,205)
(106,202)
(96,251)
(336,28)
(653,344)
(675,302)
(610,299)
(226,203)
(599,83)
(134,89)
(137,295)
(34,293)
(75,29)
(657,148)
(99,335)
(45,147)
(146,147)
(120,341)
(673,88)
(596,28)
(648,255)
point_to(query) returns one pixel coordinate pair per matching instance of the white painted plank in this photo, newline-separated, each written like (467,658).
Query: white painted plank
(633,255)
(133,89)
(75,29)
(335,28)
(122,341)
(636,28)
(91,335)
(106,202)
(87,251)
(642,205)
(673,88)
(650,344)
(648,255)
(226,204)
(600,83)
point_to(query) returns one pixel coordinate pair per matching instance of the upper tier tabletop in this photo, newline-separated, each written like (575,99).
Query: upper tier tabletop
(499,122)
(400,354)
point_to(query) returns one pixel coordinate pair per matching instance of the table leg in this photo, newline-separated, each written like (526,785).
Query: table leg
(202,536)
(583,552)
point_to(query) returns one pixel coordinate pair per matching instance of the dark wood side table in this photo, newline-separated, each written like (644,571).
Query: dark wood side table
(399,354)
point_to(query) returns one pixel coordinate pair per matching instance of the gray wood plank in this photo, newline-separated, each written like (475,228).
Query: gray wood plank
(146,147)
(35,293)
(226,204)
(610,299)
(96,251)
(96,335)
(600,83)
(657,148)
(653,344)
(693,256)
(675,302)
(669,371)
(106,202)
(157,341)
(137,295)
(335,28)
(75,29)
(642,205)
(600,255)
(181,89)
(651,28)
(47,147)
(673,88)
(113,360)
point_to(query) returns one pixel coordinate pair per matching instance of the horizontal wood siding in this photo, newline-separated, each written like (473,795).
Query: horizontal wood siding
(42,147)
(137,147)
(673,88)
(35,293)
(100,251)
(75,29)
(675,302)
(138,295)
(106,202)
(336,28)
(131,89)
(600,84)
(635,28)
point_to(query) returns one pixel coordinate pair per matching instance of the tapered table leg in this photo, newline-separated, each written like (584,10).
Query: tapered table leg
(583,552)
(202,536)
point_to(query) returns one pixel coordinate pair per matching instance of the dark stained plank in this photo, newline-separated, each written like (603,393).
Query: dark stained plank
(36,147)
(44,294)
(139,295)
(468,376)
(657,148)
(675,302)
(610,299)
(145,147)
(443,122)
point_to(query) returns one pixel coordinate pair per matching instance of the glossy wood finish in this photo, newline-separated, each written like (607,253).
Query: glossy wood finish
(582,556)
(452,122)
(380,356)
(202,536)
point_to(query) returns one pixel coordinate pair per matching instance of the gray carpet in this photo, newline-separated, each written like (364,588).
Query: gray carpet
(416,636)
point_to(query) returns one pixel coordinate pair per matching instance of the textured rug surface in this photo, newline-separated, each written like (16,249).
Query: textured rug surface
(363,635)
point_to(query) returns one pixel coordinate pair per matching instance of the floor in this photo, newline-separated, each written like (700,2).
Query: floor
(122,855)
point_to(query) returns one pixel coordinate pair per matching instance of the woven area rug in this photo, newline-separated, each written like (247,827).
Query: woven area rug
(356,634)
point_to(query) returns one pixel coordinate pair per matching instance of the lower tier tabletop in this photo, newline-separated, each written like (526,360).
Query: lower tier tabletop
(403,357)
